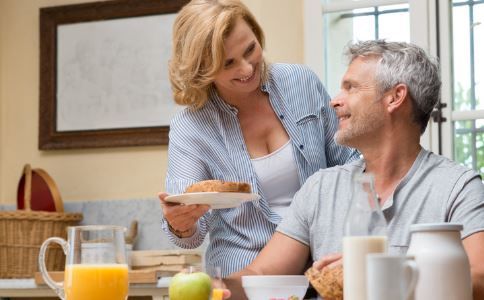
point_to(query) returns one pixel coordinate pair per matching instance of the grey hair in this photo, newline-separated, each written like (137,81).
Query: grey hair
(406,63)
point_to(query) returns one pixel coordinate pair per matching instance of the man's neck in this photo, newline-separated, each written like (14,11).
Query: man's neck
(389,164)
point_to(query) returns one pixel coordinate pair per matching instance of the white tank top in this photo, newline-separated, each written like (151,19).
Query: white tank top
(278,177)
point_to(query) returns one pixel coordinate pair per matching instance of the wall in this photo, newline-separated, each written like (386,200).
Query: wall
(114,173)
(2,25)
(283,27)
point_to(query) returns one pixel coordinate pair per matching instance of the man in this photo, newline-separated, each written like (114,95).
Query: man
(387,95)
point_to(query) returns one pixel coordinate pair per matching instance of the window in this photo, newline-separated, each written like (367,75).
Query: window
(341,26)
(468,83)
(451,30)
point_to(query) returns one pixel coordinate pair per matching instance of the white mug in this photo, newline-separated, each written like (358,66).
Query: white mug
(390,277)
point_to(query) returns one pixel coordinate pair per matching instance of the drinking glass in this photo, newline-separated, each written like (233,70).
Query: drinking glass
(96,266)
(365,232)
(217,285)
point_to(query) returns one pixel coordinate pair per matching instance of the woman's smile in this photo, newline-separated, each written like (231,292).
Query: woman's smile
(249,78)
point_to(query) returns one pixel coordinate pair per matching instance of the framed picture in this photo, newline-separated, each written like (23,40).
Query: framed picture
(104,74)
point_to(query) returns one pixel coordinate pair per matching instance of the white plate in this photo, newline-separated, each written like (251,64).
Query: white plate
(214,199)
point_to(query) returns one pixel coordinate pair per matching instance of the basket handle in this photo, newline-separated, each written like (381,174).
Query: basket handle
(27,186)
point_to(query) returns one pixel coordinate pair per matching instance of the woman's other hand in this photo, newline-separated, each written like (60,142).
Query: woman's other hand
(182,219)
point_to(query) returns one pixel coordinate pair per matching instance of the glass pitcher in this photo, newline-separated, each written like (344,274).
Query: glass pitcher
(96,266)
(365,232)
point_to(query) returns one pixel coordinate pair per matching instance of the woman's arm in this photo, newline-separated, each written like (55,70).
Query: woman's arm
(185,225)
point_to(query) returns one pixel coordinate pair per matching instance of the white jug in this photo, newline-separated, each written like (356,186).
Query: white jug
(444,271)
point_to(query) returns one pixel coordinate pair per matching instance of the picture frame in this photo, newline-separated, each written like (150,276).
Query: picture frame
(104,74)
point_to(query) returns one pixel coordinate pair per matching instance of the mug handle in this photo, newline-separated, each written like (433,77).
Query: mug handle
(411,267)
(58,287)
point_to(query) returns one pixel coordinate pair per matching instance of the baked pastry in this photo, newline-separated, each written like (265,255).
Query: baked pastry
(218,186)
(328,282)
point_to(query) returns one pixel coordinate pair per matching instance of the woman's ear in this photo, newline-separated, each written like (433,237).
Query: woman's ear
(397,96)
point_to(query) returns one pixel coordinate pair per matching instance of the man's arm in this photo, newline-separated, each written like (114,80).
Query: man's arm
(281,256)
(474,246)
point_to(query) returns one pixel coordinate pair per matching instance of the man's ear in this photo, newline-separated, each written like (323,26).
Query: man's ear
(396,97)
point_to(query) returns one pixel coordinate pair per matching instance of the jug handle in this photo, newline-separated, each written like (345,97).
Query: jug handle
(58,287)
(411,266)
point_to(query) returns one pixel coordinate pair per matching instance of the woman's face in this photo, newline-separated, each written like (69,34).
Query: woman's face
(240,71)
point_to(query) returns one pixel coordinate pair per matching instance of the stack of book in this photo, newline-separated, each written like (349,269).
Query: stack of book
(167,262)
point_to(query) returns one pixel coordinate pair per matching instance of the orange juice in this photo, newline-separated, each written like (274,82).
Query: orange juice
(217,294)
(96,282)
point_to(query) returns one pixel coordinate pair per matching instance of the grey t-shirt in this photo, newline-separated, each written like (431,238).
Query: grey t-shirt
(435,189)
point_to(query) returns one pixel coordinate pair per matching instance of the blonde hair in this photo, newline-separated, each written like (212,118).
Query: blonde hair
(199,32)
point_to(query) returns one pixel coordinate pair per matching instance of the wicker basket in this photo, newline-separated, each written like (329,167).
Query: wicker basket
(22,232)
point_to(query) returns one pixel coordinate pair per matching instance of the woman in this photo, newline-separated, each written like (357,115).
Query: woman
(270,126)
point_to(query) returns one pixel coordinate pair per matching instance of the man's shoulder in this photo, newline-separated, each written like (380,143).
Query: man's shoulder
(442,166)
(442,178)
(336,174)
(357,165)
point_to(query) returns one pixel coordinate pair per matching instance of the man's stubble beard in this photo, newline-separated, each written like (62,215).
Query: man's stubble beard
(361,125)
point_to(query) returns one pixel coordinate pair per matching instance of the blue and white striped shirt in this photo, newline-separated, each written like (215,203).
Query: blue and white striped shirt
(208,144)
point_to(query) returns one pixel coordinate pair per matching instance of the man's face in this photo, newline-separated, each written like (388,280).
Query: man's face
(358,106)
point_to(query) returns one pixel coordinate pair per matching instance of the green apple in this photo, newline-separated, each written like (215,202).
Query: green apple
(190,286)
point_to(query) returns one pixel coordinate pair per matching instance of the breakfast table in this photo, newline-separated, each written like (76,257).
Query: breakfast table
(28,288)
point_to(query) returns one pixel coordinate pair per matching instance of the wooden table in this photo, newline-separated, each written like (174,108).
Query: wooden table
(140,285)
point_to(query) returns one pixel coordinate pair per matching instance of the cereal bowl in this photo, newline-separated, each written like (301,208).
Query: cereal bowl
(275,287)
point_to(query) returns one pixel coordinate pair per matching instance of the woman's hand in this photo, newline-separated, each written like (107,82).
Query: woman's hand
(182,218)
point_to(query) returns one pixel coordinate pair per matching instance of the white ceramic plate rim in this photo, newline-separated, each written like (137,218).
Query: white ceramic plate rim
(216,200)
